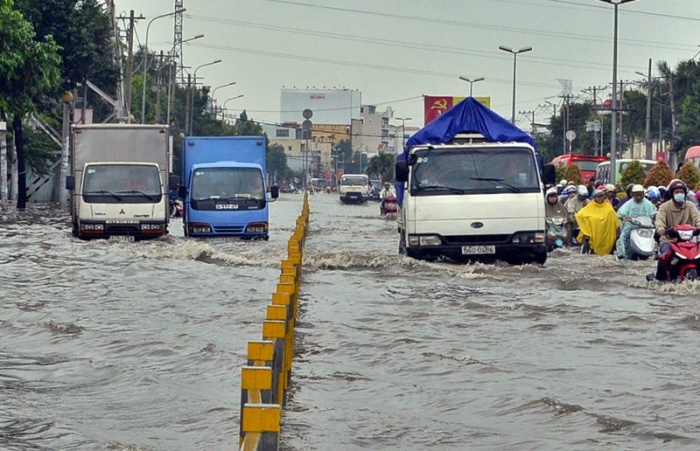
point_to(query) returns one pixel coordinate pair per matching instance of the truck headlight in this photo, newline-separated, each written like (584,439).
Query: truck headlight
(424,240)
(200,228)
(528,238)
(257,227)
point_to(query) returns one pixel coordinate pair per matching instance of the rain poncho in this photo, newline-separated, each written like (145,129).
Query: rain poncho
(599,222)
(633,209)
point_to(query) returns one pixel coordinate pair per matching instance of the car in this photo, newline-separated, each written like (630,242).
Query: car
(376,189)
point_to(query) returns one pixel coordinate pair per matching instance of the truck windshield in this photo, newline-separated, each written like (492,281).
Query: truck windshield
(358,180)
(117,183)
(227,183)
(474,170)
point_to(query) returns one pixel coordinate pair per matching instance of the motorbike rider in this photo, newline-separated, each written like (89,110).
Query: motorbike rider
(575,204)
(611,193)
(555,209)
(678,210)
(634,208)
(598,221)
(386,191)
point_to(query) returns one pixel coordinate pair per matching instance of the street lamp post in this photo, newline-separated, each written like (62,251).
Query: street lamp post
(227,101)
(213,100)
(471,82)
(515,59)
(648,118)
(613,117)
(145,60)
(170,76)
(403,129)
(189,132)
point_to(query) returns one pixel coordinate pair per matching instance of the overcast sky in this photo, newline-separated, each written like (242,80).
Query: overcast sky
(396,51)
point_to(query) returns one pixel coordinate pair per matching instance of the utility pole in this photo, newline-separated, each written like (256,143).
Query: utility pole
(3,163)
(188,102)
(159,86)
(130,65)
(647,137)
(674,155)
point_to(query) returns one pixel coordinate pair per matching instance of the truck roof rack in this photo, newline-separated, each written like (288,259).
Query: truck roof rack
(468,138)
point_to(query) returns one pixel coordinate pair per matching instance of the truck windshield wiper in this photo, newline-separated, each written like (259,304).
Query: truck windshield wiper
(104,191)
(501,181)
(441,188)
(135,191)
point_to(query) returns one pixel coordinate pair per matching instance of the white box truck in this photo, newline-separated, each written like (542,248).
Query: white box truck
(471,188)
(119,181)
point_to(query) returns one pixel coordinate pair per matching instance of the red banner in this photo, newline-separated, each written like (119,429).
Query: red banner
(434,106)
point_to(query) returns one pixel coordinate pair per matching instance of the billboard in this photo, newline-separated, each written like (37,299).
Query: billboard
(329,106)
(434,106)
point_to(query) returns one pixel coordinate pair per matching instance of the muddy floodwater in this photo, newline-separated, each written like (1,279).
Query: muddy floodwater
(114,346)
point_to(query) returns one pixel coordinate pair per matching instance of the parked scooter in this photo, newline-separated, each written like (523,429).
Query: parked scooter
(389,207)
(642,243)
(557,233)
(682,259)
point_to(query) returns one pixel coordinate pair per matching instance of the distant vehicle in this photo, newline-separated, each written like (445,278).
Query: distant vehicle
(693,155)
(586,163)
(321,185)
(354,188)
(602,172)
(376,189)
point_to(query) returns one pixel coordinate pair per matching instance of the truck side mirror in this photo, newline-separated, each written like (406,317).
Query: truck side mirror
(182,192)
(173,182)
(549,174)
(401,171)
(275,192)
(70,182)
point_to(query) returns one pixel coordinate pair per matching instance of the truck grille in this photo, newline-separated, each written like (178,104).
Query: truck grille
(229,229)
(476,239)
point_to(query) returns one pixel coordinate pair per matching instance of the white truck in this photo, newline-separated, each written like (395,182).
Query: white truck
(471,188)
(354,188)
(119,181)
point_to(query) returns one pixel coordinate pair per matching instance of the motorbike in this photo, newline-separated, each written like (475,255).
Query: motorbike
(557,234)
(682,259)
(389,206)
(642,243)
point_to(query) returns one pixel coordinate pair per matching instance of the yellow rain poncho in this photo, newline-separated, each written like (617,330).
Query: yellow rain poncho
(600,223)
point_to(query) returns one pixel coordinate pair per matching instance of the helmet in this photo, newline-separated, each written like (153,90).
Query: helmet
(598,192)
(675,184)
(628,189)
(653,193)
(387,184)
(610,187)
(563,182)
(582,191)
(637,189)
(552,192)
(697,195)
(569,190)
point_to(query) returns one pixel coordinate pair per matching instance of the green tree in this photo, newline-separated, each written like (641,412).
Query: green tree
(689,174)
(659,175)
(381,165)
(633,174)
(276,163)
(29,71)
(573,173)
(246,127)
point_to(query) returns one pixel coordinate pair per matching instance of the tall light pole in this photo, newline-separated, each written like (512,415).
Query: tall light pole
(170,76)
(403,129)
(648,121)
(228,100)
(145,60)
(213,100)
(515,59)
(613,117)
(189,132)
(471,82)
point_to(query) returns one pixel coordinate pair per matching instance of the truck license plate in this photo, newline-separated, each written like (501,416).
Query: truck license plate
(127,238)
(478,250)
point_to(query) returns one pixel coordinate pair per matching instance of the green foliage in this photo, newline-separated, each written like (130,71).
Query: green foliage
(41,151)
(573,173)
(381,165)
(689,174)
(245,127)
(559,169)
(276,161)
(659,175)
(633,174)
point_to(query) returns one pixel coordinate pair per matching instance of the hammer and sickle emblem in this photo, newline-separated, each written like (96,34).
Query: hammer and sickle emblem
(440,104)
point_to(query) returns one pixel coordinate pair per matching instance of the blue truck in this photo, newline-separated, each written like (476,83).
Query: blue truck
(223,187)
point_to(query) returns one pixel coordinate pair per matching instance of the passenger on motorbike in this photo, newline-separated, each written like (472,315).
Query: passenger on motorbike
(653,195)
(555,209)
(575,204)
(598,221)
(387,191)
(636,207)
(611,193)
(676,211)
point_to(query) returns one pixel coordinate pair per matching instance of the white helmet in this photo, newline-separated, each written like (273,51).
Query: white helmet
(563,182)
(552,192)
(582,191)
(637,189)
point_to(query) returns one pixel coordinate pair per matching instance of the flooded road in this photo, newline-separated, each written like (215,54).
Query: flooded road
(139,345)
